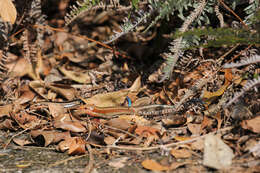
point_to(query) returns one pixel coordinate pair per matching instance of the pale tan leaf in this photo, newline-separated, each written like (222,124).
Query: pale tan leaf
(153,165)
(65,90)
(80,77)
(176,165)
(66,122)
(118,162)
(181,153)
(114,98)
(107,99)
(22,142)
(5,110)
(252,125)
(119,123)
(217,154)
(109,140)
(7,11)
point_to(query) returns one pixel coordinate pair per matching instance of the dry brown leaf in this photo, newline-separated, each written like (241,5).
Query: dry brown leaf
(77,146)
(39,88)
(138,120)
(198,145)
(136,85)
(21,67)
(255,149)
(228,75)
(174,121)
(250,144)
(76,127)
(64,145)
(207,122)
(252,125)
(80,77)
(5,110)
(109,140)
(43,65)
(180,153)
(108,99)
(65,90)
(113,98)
(7,124)
(23,118)
(67,122)
(56,109)
(118,162)
(194,128)
(119,123)
(22,142)
(8,11)
(218,117)
(176,165)
(49,136)
(140,101)
(146,131)
(153,165)
(60,39)
(26,95)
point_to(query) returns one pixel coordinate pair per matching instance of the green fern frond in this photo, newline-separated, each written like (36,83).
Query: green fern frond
(251,60)
(80,8)
(167,8)
(177,47)
(250,84)
(222,36)
(250,11)
(5,29)
(129,26)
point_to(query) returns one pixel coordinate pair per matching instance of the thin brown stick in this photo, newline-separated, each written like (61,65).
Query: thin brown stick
(66,160)
(90,165)
(9,141)
(168,145)
(231,11)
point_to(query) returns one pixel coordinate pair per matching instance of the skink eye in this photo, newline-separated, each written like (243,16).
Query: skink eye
(91,108)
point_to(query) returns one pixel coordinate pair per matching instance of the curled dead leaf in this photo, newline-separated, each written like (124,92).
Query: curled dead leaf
(39,88)
(80,77)
(65,90)
(67,122)
(7,124)
(77,146)
(49,137)
(22,142)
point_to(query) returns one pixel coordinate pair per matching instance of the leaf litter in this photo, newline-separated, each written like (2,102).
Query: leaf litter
(47,103)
